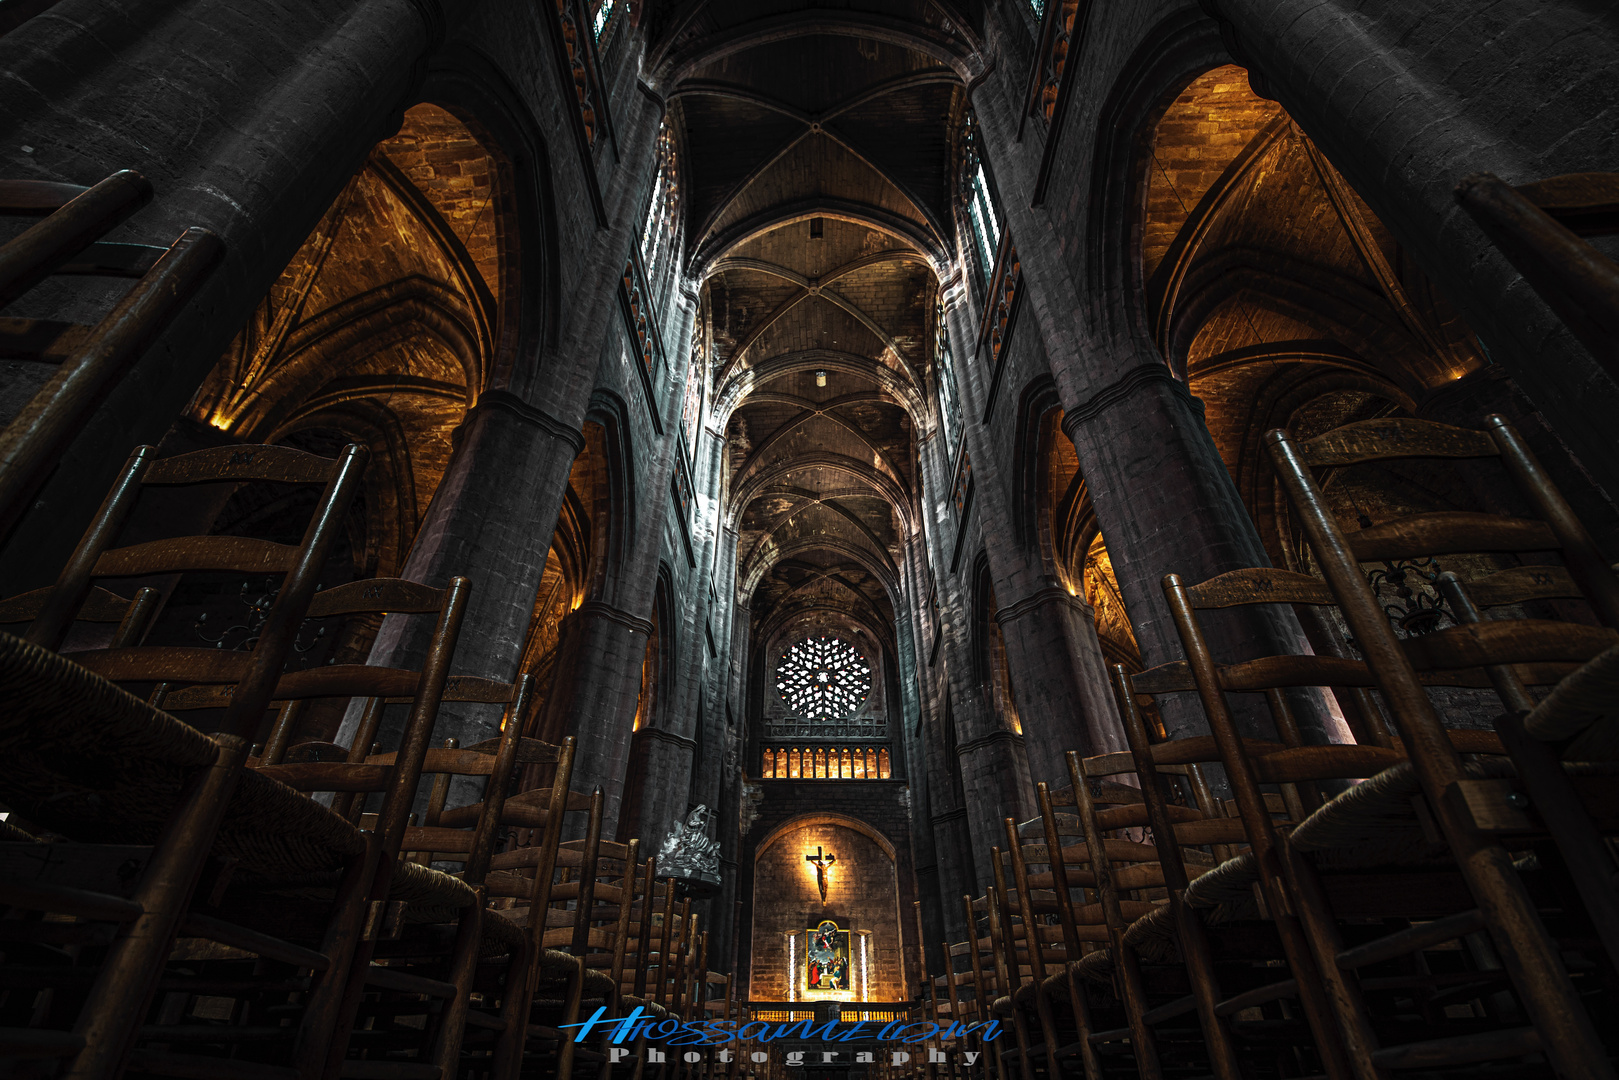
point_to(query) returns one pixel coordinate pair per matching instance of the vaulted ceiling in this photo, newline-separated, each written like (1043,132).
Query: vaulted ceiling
(816,147)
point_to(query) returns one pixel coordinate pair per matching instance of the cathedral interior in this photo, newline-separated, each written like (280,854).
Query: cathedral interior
(937,539)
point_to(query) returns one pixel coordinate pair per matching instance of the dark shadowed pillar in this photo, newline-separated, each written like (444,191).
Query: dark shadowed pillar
(1167,504)
(248,119)
(594,695)
(1060,680)
(507,477)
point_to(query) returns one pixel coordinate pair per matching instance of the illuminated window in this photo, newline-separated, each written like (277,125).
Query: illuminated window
(823,678)
(976,193)
(945,374)
(604,17)
(826,763)
(662,216)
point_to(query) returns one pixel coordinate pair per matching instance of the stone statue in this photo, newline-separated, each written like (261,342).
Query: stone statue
(688,852)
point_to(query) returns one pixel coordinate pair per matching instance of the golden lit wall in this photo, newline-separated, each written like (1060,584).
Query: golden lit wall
(862,894)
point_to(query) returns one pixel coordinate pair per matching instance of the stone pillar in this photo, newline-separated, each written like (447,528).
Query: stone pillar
(593,698)
(1166,504)
(1405,98)
(509,473)
(1163,496)
(251,121)
(1060,680)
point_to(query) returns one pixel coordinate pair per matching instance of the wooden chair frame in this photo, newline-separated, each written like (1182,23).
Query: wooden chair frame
(1529,954)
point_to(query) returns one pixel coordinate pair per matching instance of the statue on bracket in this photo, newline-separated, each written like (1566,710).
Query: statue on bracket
(689,855)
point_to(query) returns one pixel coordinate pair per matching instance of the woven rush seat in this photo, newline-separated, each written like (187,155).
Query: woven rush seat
(556,966)
(87,760)
(651,1008)
(1584,705)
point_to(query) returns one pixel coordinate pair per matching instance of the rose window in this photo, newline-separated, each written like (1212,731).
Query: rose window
(823,678)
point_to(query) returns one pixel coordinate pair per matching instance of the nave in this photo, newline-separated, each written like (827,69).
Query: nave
(882,539)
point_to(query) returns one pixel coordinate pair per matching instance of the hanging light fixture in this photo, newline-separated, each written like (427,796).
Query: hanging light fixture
(820,378)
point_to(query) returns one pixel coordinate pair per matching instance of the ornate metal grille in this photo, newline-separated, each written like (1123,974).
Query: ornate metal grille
(823,678)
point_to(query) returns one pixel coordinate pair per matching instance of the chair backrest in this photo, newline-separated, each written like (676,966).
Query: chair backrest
(1538,227)
(133,616)
(1555,526)
(397,774)
(254,674)
(92,358)
(1391,661)
(440,838)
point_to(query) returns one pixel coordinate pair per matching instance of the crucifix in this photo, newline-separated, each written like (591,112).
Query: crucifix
(823,863)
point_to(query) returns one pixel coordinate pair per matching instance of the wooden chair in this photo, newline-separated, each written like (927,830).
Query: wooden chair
(92,358)
(443,956)
(1539,227)
(1561,1027)
(106,771)
(130,618)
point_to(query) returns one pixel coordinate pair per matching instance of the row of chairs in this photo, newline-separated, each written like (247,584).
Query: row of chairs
(245,905)
(1428,900)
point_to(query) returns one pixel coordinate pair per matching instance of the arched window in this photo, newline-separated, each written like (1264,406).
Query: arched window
(605,17)
(884,769)
(977,194)
(793,767)
(691,411)
(661,220)
(820,763)
(945,373)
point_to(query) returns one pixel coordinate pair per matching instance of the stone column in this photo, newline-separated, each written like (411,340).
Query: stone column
(1060,681)
(593,698)
(1405,98)
(250,121)
(1166,504)
(1059,678)
(1163,496)
(508,475)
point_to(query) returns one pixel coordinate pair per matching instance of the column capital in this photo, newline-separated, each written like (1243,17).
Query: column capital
(1000,735)
(1051,594)
(1121,390)
(600,609)
(509,403)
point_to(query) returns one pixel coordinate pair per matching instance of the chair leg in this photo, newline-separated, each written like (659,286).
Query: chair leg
(463,966)
(118,1000)
(1090,1062)
(325,1000)
(1354,1022)
(508,1058)
(1133,991)
(1200,966)
(570,1015)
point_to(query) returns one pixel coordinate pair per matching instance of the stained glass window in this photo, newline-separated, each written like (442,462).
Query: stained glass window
(823,678)
(982,216)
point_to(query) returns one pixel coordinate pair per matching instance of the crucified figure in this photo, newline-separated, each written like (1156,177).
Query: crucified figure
(823,863)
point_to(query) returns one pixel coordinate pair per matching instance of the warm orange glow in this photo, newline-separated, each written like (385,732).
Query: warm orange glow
(220,421)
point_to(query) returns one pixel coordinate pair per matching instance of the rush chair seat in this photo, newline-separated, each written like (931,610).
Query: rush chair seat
(1559,1025)
(90,359)
(433,992)
(166,786)
(1220,948)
